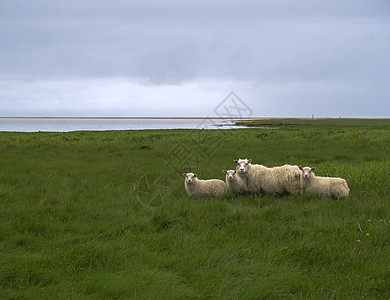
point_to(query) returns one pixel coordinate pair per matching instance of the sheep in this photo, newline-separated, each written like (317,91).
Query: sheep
(277,180)
(235,183)
(323,186)
(199,188)
(250,174)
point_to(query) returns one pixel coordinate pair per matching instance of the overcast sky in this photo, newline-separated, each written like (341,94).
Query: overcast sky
(181,58)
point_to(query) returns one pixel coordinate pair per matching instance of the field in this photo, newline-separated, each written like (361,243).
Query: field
(100,215)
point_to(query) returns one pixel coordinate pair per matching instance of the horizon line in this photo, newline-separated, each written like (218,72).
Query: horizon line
(189,118)
(131,118)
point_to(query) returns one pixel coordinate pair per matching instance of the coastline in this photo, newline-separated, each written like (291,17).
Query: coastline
(131,118)
(67,124)
(190,118)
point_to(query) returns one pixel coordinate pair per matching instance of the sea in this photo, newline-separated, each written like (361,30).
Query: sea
(67,125)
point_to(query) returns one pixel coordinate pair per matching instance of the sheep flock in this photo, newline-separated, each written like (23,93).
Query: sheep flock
(248,178)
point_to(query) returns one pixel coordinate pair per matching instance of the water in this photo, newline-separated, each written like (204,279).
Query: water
(66,125)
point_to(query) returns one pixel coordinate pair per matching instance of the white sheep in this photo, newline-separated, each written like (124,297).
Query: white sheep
(235,183)
(323,186)
(250,174)
(200,188)
(277,180)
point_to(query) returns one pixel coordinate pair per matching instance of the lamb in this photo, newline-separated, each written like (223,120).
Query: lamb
(277,180)
(235,183)
(323,186)
(200,188)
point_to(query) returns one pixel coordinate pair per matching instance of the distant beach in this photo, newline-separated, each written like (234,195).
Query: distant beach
(133,118)
(67,124)
(187,118)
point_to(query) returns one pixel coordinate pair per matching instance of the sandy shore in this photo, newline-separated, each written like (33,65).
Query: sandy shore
(178,118)
(134,118)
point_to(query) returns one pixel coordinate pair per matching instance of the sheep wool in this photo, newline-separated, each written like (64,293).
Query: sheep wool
(323,186)
(203,188)
(235,183)
(250,174)
(277,180)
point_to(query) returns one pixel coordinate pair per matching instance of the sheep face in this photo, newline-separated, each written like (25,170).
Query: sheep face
(243,165)
(189,177)
(306,171)
(230,174)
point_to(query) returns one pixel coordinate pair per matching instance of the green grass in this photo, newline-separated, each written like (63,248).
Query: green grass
(324,123)
(99,215)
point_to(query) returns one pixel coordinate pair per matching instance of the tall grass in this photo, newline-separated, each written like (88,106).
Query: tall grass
(105,215)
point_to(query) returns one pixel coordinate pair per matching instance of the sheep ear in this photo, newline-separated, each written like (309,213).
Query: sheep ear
(224,171)
(249,161)
(313,169)
(234,172)
(194,175)
(185,174)
(236,161)
(300,168)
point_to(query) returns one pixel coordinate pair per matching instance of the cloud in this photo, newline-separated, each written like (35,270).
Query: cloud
(173,41)
(113,97)
(126,97)
(54,56)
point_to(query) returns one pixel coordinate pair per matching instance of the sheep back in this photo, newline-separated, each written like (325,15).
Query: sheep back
(204,188)
(328,187)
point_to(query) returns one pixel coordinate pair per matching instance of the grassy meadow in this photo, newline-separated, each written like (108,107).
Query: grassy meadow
(104,215)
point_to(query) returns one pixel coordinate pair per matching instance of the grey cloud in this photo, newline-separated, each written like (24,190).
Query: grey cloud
(282,48)
(177,40)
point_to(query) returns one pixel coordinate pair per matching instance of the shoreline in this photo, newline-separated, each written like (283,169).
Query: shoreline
(131,118)
(187,118)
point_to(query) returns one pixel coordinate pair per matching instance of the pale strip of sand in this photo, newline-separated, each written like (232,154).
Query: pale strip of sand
(184,118)
(131,118)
